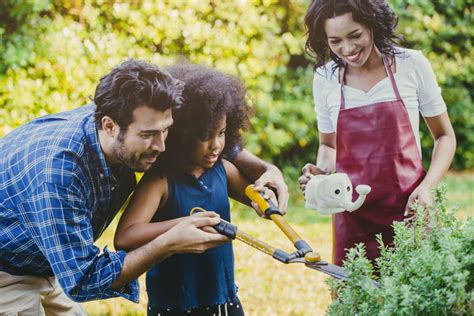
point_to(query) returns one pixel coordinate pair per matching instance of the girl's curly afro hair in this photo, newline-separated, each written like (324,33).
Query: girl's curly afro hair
(208,96)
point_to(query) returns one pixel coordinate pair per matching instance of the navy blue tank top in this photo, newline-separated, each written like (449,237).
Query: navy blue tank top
(186,281)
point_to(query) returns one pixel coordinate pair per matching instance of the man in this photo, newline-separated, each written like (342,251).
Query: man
(63,178)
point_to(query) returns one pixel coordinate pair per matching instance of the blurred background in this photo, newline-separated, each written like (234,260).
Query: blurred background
(53,53)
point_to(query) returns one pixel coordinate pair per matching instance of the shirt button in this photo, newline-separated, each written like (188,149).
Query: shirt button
(189,311)
(113,188)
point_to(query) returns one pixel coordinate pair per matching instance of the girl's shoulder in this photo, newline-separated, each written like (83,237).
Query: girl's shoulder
(152,182)
(228,166)
(231,170)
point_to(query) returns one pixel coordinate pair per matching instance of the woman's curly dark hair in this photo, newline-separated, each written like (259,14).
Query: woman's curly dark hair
(208,96)
(374,14)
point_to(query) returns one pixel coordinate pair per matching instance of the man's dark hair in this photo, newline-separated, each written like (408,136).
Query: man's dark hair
(208,96)
(132,84)
(374,14)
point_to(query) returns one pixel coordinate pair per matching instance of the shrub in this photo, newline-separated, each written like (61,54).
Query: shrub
(428,271)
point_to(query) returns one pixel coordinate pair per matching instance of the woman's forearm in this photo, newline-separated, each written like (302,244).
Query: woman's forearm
(326,159)
(443,149)
(443,153)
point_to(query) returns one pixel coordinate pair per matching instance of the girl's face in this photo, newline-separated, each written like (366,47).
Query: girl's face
(207,151)
(349,40)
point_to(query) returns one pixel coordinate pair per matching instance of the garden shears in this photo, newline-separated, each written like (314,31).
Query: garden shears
(303,253)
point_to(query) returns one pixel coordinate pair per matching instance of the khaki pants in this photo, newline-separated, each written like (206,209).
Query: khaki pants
(33,296)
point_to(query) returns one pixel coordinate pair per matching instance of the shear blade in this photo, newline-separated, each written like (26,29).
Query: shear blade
(329,269)
(325,267)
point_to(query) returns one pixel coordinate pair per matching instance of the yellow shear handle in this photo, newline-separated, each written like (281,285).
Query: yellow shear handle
(272,212)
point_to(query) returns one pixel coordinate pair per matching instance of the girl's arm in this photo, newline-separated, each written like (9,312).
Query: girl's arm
(325,162)
(237,182)
(443,153)
(134,229)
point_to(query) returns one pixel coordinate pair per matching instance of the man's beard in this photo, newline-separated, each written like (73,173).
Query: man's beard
(119,149)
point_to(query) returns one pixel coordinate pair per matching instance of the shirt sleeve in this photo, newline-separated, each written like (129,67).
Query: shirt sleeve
(323,115)
(429,93)
(60,224)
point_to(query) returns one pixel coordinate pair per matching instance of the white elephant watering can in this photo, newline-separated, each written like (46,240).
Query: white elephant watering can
(330,194)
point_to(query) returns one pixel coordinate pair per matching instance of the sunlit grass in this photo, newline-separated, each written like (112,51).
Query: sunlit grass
(268,287)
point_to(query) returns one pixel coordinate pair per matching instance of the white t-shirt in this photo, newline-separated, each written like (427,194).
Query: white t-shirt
(415,80)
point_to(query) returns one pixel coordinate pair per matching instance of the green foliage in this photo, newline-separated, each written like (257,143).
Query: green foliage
(443,30)
(52,54)
(428,271)
(20,23)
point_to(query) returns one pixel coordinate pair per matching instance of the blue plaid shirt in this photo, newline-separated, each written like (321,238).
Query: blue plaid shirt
(57,195)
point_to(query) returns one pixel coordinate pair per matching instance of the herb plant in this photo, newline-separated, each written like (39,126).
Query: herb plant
(427,271)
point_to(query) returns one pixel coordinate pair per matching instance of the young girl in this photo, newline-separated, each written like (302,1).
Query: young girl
(192,173)
(368,95)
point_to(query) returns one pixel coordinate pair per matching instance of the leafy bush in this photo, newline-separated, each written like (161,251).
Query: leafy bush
(428,271)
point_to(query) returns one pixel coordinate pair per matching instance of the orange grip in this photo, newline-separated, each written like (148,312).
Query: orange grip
(257,198)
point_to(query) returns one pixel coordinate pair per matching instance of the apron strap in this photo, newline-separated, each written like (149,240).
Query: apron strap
(392,78)
(342,78)
(388,69)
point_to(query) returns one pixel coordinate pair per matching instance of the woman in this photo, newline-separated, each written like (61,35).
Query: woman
(368,93)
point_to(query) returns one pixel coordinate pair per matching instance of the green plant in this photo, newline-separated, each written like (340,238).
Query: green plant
(428,271)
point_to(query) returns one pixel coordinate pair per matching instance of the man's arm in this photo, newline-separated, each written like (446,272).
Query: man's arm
(60,224)
(264,174)
(185,237)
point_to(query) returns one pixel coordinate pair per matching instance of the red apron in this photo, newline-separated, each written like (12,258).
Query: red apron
(375,146)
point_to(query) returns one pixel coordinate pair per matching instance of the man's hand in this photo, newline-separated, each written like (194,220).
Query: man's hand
(268,195)
(187,236)
(273,178)
(195,234)
(308,170)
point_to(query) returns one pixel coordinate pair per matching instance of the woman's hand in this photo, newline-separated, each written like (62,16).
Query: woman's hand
(308,170)
(423,195)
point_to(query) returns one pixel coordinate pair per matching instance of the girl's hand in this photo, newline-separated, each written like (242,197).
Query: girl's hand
(423,195)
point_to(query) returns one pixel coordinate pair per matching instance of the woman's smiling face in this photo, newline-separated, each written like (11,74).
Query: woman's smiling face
(349,40)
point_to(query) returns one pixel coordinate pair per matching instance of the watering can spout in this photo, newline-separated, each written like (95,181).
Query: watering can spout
(363,190)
